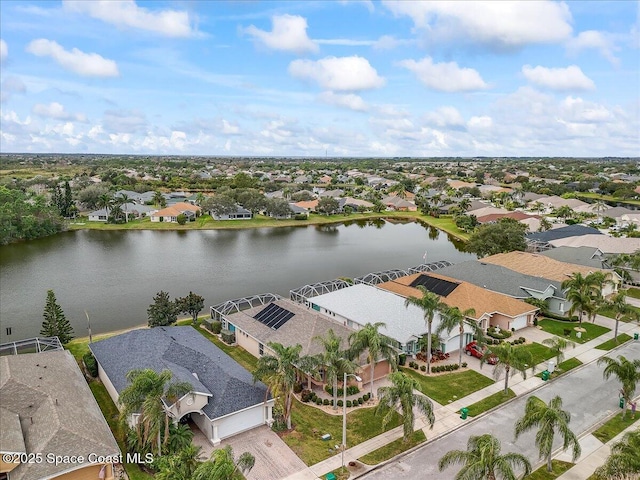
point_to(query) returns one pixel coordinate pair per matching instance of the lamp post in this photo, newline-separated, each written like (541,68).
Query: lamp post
(344,411)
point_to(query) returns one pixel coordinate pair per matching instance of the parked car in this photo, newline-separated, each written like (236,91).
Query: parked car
(475,350)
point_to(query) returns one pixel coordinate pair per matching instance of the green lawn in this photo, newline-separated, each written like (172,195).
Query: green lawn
(633,292)
(488,403)
(310,423)
(557,328)
(558,467)
(608,312)
(563,367)
(611,344)
(394,448)
(449,387)
(339,473)
(538,352)
(614,426)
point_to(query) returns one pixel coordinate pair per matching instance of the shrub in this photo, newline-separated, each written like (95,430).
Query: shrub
(366,397)
(560,317)
(326,401)
(305,395)
(91,364)
(522,339)
(314,396)
(423,368)
(300,216)
(216,327)
(456,366)
(402,359)
(497,332)
(352,390)
(464,364)
(348,403)
(340,403)
(228,337)
(181,219)
(535,322)
(318,401)
(297,388)
(360,401)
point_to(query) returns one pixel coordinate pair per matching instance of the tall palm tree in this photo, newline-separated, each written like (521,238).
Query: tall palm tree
(624,461)
(123,199)
(464,204)
(200,198)
(482,460)
(430,304)
(452,318)
(559,345)
(538,207)
(510,361)
(621,309)
(400,394)
(335,360)
(144,395)
(224,466)
(376,344)
(105,201)
(628,374)
(599,206)
(180,466)
(158,199)
(279,372)
(580,291)
(549,419)
(564,212)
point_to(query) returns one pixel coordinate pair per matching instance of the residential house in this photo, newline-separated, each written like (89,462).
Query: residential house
(606,244)
(47,408)
(399,204)
(239,214)
(309,205)
(224,399)
(170,214)
(538,265)
(491,308)
(540,241)
(588,256)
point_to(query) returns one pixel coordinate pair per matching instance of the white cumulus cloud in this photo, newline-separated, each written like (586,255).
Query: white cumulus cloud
(482,121)
(504,24)
(561,79)
(445,76)
(4,50)
(445,117)
(338,73)
(126,13)
(57,111)
(593,40)
(229,129)
(288,33)
(346,100)
(85,64)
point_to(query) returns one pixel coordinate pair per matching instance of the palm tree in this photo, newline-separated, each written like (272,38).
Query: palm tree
(628,374)
(452,317)
(223,465)
(279,372)
(510,360)
(538,207)
(545,225)
(180,436)
(145,395)
(464,204)
(158,199)
(400,394)
(399,189)
(599,206)
(624,461)
(335,360)
(376,344)
(559,345)
(580,291)
(429,303)
(105,201)
(549,419)
(200,198)
(123,199)
(621,309)
(482,460)
(180,466)
(564,212)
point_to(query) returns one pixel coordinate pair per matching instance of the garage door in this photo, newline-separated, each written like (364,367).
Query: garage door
(519,323)
(241,421)
(452,344)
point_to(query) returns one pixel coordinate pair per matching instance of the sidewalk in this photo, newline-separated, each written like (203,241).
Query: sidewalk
(447,418)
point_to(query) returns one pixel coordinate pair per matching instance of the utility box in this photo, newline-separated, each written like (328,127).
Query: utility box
(326,436)
(551,366)
(464,413)
(545,375)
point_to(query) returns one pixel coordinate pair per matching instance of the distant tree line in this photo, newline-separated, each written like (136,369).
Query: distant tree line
(27,218)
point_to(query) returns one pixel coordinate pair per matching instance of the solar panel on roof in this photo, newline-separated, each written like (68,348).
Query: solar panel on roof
(273,316)
(435,285)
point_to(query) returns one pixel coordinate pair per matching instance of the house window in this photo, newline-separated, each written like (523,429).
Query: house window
(8,330)
(261,349)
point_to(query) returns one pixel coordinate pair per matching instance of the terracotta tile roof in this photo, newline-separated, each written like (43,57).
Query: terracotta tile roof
(496,216)
(464,296)
(176,209)
(539,265)
(308,204)
(459,184)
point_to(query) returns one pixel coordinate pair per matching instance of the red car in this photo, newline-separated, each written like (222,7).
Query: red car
(473,349)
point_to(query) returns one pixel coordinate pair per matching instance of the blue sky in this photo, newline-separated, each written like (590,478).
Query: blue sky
(307,78)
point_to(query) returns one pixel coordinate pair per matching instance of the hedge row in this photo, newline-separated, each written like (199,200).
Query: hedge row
(309,396)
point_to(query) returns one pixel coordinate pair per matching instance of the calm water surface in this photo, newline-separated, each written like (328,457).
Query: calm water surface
(114,275)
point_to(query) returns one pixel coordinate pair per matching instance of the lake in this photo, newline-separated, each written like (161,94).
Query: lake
(113,275)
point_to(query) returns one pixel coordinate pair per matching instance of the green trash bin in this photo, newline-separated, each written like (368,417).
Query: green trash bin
(621,402)
(464,413)
(636,336)
(330,476)
(545,375)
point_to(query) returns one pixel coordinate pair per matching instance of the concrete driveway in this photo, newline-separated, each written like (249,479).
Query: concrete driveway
(586,396)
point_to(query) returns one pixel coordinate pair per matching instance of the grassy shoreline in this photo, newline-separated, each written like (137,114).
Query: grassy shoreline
(205,222)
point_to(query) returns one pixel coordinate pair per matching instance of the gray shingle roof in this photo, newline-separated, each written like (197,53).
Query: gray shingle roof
(563,232)
(57,411)
(499,279)
(587,256)
(185,352)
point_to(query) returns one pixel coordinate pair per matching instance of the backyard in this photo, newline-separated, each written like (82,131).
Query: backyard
(558,328)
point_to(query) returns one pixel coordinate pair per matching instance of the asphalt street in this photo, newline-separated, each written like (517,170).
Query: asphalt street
(585,394)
